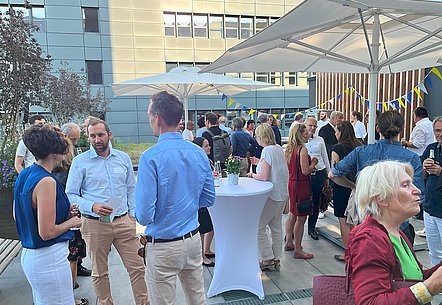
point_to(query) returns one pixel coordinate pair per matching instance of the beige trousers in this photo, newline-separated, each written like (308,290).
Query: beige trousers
(99,237)
(166,261)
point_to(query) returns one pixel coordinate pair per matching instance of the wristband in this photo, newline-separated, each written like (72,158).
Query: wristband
(421,293)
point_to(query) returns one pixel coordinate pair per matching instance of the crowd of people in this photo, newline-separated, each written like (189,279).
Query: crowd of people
(69,203)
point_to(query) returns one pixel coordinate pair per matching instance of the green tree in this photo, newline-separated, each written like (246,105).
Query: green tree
(70,96)
(23,71)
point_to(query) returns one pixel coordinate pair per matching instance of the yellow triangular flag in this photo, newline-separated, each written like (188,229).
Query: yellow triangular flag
(416,89)
(353,89)
(401,102)
(436,71)
(347,90)
(251,111)
(275,116)
(385,106)
(230,102)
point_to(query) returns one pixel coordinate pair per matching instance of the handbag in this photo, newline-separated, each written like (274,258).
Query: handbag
(304,205)
(337,289)
(325,198)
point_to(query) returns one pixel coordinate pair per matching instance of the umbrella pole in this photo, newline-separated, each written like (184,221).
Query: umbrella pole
(374,74)
(186,106)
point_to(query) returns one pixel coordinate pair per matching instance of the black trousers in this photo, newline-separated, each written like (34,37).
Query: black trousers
(317,183)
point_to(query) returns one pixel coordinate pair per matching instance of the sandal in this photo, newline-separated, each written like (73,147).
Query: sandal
(82,301)
(267,265)
(302,255)
(287,248)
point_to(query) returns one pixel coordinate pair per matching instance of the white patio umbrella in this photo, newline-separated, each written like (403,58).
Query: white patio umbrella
(185,82)
(374,36)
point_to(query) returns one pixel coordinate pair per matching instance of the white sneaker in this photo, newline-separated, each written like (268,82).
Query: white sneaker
(421,233)
(321,215)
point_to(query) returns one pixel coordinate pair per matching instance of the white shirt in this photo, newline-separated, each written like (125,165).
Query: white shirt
(422,136)
(187,135)
(279,172)
(322,123)
(316,148)
(360,131)
(23,151)
(226,129)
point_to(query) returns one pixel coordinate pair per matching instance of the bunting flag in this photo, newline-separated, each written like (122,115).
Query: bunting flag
(275,116)
(416,89)
(244,108)
(436,71)
(430,83)
(422,87)
(401,102)
(251,111)
(385,106)
(230,102)
(338,97)
(223,97)
(409,97)
(238,105)
(347,91)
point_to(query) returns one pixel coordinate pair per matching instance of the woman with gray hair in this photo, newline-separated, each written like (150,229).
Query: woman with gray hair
(378,252)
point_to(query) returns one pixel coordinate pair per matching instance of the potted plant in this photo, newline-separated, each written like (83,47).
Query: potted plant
(233,167)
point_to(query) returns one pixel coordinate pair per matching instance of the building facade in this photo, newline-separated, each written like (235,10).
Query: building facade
(113,40)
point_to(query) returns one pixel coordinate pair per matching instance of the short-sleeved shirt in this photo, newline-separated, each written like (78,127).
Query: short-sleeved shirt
(23,151)
(279,173)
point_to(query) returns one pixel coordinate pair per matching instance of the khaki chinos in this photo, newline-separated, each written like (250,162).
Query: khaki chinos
(121,233)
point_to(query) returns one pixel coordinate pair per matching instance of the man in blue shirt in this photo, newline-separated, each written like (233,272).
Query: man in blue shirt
(242,142)
(390,125)
(102,182)
(174,181)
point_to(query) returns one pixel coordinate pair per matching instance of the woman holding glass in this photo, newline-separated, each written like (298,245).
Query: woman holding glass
(44,218)
(378,252)
(271,167)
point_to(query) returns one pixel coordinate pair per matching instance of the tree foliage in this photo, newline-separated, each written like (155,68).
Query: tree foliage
(23,71)
(69,96)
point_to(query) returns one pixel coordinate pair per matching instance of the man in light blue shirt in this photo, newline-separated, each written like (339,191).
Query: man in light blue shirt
(222,124)
(174,181)
(102,182)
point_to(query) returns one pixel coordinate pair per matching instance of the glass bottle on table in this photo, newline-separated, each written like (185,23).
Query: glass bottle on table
(217,174)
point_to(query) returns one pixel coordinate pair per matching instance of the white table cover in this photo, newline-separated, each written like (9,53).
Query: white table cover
(235,216)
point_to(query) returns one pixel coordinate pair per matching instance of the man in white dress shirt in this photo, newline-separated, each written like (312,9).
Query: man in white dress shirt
(316,148)
(188,132)
(422,134)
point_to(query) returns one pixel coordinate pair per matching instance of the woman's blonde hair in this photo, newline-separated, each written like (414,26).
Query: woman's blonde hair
(65,164)
(381,180)
(295,140)
(265,134)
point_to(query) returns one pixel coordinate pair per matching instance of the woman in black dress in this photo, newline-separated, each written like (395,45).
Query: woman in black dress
(206,226)
(346,143)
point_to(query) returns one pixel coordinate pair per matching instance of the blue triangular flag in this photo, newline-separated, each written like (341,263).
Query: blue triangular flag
(223,97)
(429,82)
(338,97)
(409,97)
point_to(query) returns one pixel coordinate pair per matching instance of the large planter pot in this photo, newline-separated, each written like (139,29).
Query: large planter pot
(7,223)
(233,179)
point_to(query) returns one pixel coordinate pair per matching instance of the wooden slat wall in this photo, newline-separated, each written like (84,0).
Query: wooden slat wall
(390,87)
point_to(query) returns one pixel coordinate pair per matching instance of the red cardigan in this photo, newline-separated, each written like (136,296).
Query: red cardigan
(374,263)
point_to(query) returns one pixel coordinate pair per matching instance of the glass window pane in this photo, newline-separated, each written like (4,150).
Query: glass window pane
(184,25)
(275,78)
(231,27)
(202,65)
(261,24)
(169,24)
(39,17)
(290,78)
(249,76)
(200,25)
(90,19)
(171,65)
(216,26)
(246,27)
(94,72)
(262,77)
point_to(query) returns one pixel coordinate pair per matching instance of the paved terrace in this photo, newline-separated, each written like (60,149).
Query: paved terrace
(291,285)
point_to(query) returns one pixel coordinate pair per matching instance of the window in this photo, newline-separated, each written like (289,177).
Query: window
(262,77)
(202,65)
(273,19)
(94,72)
(39,17)
(231,26)
(200,26)
(216,26)
(90,19)
(249,76)
(275,78)
(171,65)
(184,25)
(291,78)
(232,74)
(246,27)
(261,23)
(169,24)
